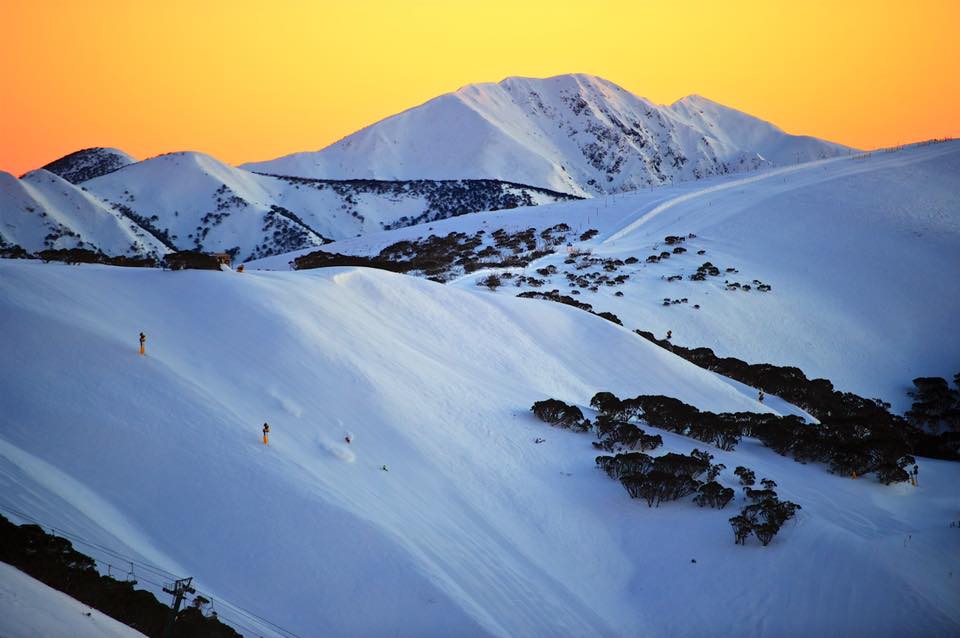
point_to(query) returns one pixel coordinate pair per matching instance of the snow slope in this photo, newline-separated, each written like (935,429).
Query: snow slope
(863,255)
(575,133)
(473,529)
(29,609)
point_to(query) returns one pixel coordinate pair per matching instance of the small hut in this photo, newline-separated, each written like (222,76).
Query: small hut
(195,260)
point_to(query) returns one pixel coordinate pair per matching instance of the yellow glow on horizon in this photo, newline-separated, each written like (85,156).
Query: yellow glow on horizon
(249,81)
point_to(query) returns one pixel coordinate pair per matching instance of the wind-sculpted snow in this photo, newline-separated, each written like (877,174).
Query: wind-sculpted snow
(573,133)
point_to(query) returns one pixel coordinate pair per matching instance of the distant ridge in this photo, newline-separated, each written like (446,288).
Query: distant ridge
(576,133)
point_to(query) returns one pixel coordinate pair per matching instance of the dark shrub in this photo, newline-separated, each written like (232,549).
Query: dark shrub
(712,494)
(558,413)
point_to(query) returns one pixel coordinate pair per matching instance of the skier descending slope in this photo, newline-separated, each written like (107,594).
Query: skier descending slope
(143,341)
(266,431)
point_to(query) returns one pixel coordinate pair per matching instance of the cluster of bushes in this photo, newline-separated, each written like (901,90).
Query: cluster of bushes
(704,270)
(436,256)
(819,398)
(593,280)
(84,256)
(442,198)
(671,476)
(146,223)
(764,515)
(558,413)
(736,285)
(667,478)
(849,447)
(554,295)
(53,560)
(617,436)
(433,256)
(283,232)
(722,430)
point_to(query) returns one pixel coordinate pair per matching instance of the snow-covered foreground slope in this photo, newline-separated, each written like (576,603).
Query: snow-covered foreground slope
(863,256)
(574,133)
(472,528)
(29,609)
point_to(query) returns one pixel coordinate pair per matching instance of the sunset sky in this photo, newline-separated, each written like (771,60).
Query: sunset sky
(249,81)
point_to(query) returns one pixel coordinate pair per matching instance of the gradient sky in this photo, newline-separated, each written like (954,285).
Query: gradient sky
(249,81)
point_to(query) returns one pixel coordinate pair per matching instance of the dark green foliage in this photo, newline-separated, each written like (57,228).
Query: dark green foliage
(492,281)
(847,446)
(722,430)
(712,494)
(436,257)
(554,295)
(747,476)
(764,516)
(656,479)
(615,435)
(936,405)
(53,561)
(560,414)
(819,398)
(83,256)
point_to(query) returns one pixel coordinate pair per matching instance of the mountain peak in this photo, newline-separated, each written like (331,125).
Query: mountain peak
(576,133)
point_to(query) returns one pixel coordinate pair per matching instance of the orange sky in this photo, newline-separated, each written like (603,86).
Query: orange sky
(250,81)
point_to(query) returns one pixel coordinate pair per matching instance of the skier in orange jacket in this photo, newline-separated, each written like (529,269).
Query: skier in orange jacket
(266,431)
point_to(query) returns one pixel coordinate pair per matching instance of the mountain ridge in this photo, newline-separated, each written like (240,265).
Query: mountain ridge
(576,133)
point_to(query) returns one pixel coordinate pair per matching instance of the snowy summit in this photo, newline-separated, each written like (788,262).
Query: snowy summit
(577,133)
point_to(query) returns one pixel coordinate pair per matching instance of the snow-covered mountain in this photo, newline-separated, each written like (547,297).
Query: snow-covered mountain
(188,201)
(89,163)
(43,211)
(574,133)
(486,147)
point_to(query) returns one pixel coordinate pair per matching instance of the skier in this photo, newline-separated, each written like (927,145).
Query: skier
(384,468)
(143,341)
(760,396)
(348,439)
(669,334)
(266,431)
(914,475)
